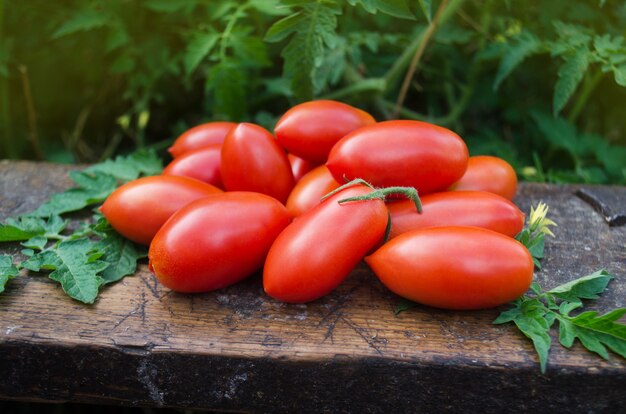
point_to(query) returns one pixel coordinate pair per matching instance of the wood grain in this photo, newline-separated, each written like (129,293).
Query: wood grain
(237,349)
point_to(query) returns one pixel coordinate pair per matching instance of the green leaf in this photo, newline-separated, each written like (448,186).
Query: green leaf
(25,228)
(620,75)
(74,265)
(595,333)
(395,8)
(121,254)
(587,287)
(199,46)
(250,51)
(117,37)
(93,188)
(570,75)
(170,6)
(427,9)
(82,20)
(130,167)
(405,304)
(270,7)
(226,83)
(8,271)
(560,133)
(525,45)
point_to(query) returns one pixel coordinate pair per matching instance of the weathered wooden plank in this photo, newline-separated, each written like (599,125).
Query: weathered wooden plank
(237,349)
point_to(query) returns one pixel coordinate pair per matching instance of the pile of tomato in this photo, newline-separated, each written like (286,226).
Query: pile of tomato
(238,198)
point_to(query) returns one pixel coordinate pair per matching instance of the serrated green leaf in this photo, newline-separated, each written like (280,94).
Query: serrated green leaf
(82,20)
(121,254)
(395,8)
(8,271)
(270,7)
(37,242)
(620,75)
(559,132)
(198,48)
(73,266)
(93,188)
(313,31)
(250,51)
(586,287)
(570,75)
(536,328)
(130,167)
(226,84)
(25,228)
(525,45)
(595,333)
(170,6)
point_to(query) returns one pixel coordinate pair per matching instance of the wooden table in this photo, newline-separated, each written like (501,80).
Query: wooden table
(236,349)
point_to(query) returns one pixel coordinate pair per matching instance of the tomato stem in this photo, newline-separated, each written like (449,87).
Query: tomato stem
(346,185)
(382,193)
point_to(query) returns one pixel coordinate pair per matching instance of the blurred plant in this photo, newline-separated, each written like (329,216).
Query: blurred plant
(539,86)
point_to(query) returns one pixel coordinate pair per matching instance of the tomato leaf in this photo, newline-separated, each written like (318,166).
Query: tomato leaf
(7,271)
(570,75)
(121,254)
(312,31)
(198,47)
(395,8)
(25,228)
(525,45)
(74,265)
(594,332)
(130,167)
(587,287)
(82,20)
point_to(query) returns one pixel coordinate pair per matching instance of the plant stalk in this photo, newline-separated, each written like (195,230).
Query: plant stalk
(418,56)
(33,135)
(589,86)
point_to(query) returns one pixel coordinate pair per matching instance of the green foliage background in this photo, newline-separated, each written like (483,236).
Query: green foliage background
(541,84)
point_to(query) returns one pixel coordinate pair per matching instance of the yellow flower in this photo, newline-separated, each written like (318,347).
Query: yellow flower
(539,221)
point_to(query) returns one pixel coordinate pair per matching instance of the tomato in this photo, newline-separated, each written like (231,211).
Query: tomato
(252,160)
(309,130)
(487,173)
(454,267)
(316,252)
(201,136)
(217,241)
(457,208)
(138,209)
(299,166)
(202,164)
(400,153)
(310,189)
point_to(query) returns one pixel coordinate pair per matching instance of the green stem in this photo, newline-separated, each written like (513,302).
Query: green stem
(589,86)
(377,85)
(229,28)
(10,151)
(382,193)
(399,67)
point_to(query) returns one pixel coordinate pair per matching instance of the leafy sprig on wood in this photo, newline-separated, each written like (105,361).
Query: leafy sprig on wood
(535,314)
(86,257)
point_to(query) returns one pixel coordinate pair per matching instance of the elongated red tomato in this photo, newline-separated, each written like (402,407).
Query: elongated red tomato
(309,130)
(252,160)
(309,191)
(201,136)
(400,153)
(457,208)
(217,241)
(316,252)
(138,209)
(454,267)
(488,173)
(299,166)
(202,164)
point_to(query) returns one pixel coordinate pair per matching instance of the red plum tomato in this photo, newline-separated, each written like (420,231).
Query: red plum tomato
(310,129)
(309,191)
(400,153)
(299,166)
(252,160)
(201,136)
(217,241)
(454,267)
(319,249)
(488,173)
(202,164)
(138,209)
(457,208)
